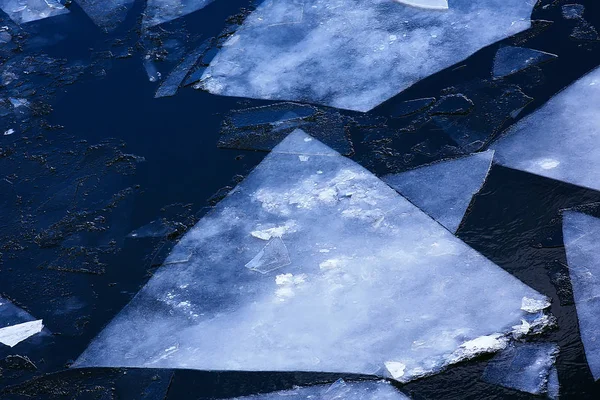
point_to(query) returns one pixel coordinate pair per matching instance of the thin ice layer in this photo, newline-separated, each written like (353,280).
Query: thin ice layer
(526,367)
(23,11)
(340,390)
(171,85)
(11,314)
(354,54)
(106,14)
(581,233)
(510,60)
(560,140)
(444,189)
(161,11)
(373,285)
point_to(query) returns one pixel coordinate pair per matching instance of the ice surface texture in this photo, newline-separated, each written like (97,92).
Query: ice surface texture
(444,189)
(558,141)
(581,237)
(16,325)
(372,282)
(510,60)
(354,54)
(526,367)
(23,11)
(106,14)
(340,390)
(431,4)
(161,11)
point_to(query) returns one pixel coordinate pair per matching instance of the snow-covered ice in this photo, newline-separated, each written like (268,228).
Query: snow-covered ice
(354,54)
(373,284)
(527,367)
(106,14)
(161,11)
(23,11)
(581,234)
(444,189)
(340,390)
(16,324)
(510,60)
(559,140)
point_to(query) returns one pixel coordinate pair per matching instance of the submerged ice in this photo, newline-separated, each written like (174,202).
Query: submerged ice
(510,60)
(581,233)
(161,11)
(354,54)
(444,189)
(559,140)
(106,14)
(367,282)
(23,11)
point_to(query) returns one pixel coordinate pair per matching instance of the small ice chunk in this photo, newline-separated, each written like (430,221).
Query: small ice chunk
(9,132)
(160,11)
(15,334)
(430,4)
(525,367)
(534,305)
(106,14)
(444,190)
(277,231)
(23,11)
(560,139)
(510,60)
(581,233)
(171,84)
(273,256)
(410,107)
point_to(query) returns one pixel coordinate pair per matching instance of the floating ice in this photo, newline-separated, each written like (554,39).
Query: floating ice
(431,4)
(23,11)
(444,189)
(527,367)
(15,334)
(340,390)
(354,54)
(106,14)
(558,140)
(170,86)
(372,282)
(581,233)
(510,60)
(161,11)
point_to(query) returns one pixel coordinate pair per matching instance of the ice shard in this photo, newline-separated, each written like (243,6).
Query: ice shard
(431,4)
(527,367)
(444,189)
(510,60)
(16,325)
(340,390)
(161,11)
(23,11)
(581,233)
(106,14)
(558,141)
(373,285)
(354,54)
(171,85)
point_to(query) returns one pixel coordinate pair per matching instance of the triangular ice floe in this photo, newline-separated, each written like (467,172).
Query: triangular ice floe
(106,14)
(374,285)
(16,325)
(510,60)
(161,11)
(444,189)
(558,141)
(581,234)
(356,54)
(32,10)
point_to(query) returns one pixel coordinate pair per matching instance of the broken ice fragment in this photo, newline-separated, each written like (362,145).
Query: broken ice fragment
(559,138)
(581,233)
(348,56)
(525,367)
(431,4)
(161,11)
(573,11)
(444,190)
(170,86)
(106,14)
(392,277)
(15,334)
(510,60)
(23,11)
(534,305)
(273,256)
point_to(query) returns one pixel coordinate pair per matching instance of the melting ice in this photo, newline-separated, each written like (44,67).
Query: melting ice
(510,60)
(581,233)
(444,190)
(558,141)
(161,11)
(354,54)
(368,283)
(23,11)
(16,325)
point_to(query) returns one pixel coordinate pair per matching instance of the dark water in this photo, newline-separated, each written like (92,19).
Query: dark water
(76,184)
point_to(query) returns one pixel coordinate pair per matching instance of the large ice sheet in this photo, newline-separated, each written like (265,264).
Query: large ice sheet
(527,367)
(340,390)
(23,11)
(161,11)
(559,140)
(354,54)
(444,189)
(368,283)
(106,14)
(581,233)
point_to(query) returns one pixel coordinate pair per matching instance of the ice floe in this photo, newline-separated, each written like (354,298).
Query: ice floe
(527,367)
(510,60)
(23,11)
(354,54)
(444,189)
(161,11)
(581,233)
(16,325)
(371,285)
(557,141)
(106,14)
